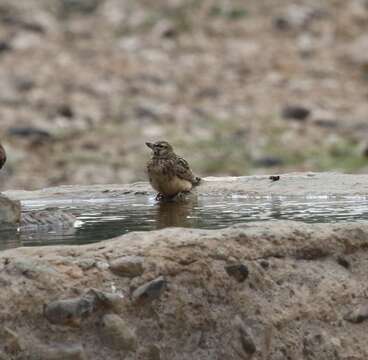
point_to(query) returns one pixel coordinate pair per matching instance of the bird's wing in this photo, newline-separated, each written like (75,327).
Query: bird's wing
(183,171)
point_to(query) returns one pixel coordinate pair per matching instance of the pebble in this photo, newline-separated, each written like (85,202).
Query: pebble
(117,333)
(69,311)
(238,271)
(295,112)
(245,336)
(343,262)
(5,46)
(268,161)
(150,291)
(10,210)
(357,315)
(29,131)
(37,351)
(129,266)
(11,341)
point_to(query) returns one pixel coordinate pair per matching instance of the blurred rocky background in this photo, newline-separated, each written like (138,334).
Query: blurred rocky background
(239,87)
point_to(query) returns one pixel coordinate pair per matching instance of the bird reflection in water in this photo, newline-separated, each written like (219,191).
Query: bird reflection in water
(175,213)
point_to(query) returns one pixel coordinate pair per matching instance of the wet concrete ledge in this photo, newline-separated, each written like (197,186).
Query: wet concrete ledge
(270,290)
(298,184)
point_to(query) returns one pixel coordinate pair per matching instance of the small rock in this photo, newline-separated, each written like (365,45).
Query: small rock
(65,111)
(265,264)
(238,271)
(10,210)
(117,333)
(29,132)
(129,266)
(55,220)
(317,344)
(358,314)
(150,291)
(102,265)
(295,112)
(357,52)
(327,123)
(297,16)
(105,299)
(86,264)
(343,262)
(11,341)
(69,311)
(36,350)
(268,161)
(245,337)
(24,84)
(5,46)
(86,7)
(150,352)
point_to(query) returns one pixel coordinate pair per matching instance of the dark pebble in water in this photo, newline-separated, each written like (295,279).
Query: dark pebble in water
(238,271)
(295,112)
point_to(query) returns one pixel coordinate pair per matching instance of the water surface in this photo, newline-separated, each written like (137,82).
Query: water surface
(100,219)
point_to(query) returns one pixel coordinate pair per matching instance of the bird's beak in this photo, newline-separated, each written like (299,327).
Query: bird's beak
(150,145)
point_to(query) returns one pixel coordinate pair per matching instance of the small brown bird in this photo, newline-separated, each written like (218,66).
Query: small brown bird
(168,173)
(2,156)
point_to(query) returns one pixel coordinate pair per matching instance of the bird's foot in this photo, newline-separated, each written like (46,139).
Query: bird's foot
(197,181)
(159,197)
(181,195)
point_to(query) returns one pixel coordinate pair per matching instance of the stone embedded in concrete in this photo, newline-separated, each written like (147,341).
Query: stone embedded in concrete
(117,333)
(37,351)
(69,311)
(72,311)
(150,291)
(129,266)
(244,336)
(11,341)
(239,272)
(358,314)
(10,210)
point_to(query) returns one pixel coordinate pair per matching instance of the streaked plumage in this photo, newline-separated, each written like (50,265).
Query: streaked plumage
(168,173)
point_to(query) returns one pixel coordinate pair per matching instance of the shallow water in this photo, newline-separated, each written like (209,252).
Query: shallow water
(100,219)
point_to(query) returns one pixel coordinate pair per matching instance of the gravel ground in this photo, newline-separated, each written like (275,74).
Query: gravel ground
(238,87)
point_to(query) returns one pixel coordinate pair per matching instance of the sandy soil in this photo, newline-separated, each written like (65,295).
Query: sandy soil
(85,83)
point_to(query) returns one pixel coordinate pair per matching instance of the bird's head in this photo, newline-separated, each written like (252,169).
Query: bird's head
(160,148)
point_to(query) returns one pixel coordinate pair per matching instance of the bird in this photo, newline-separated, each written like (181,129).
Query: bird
(168,173)
(2,156)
